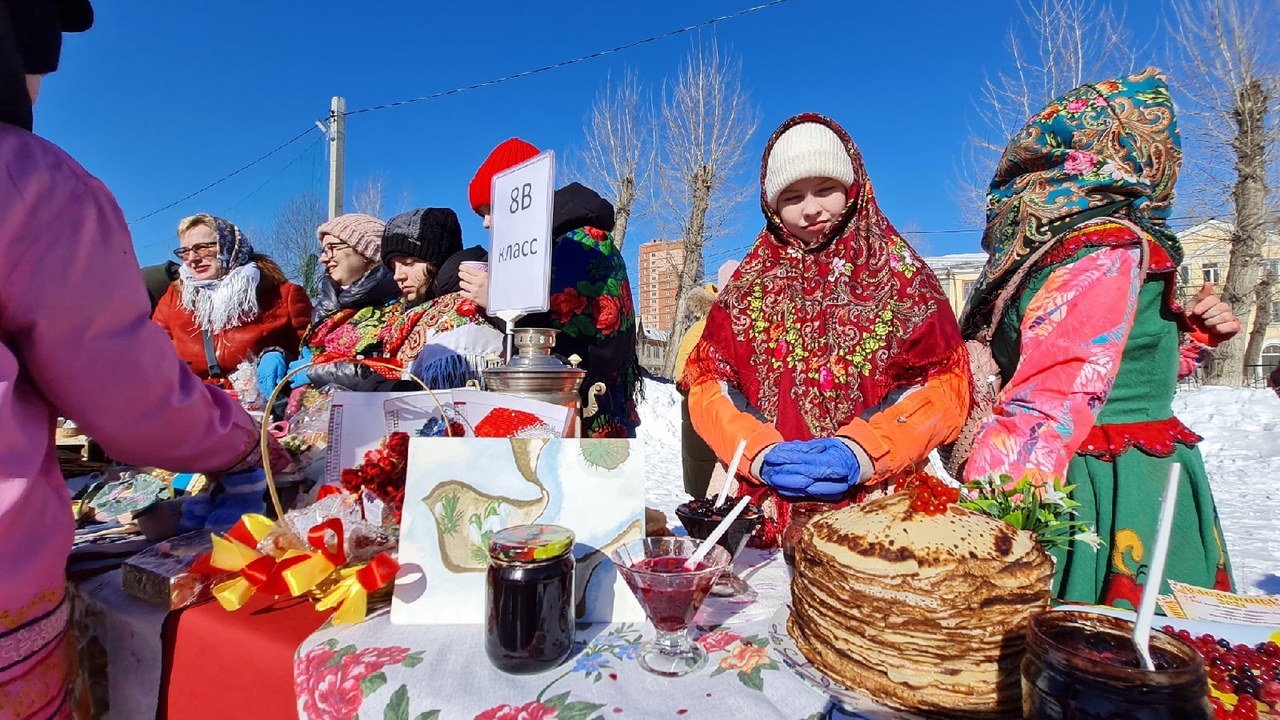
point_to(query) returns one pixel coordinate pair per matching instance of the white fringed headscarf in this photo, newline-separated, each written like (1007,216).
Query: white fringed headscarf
(225,302)
(231,300)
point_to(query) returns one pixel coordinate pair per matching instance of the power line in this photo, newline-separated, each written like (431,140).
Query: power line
(475,86)
(226,177)
(574,61)
(719,253)
(274,175)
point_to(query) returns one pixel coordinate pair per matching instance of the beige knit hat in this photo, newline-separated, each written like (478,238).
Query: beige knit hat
(361,232)
(808,150)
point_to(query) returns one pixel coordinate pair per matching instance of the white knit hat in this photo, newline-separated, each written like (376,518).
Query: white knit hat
(808,150)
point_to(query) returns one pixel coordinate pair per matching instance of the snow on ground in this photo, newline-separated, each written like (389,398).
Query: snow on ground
(1241,447)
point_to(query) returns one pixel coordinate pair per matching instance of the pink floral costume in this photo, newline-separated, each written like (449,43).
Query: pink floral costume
(76,339)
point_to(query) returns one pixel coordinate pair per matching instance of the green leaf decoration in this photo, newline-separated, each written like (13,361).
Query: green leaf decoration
(413,659)
(449,515)
(337,659)
(372,683)
(577,711)
(557,701)
(718,671)
(398,705)
(428,715)
(753,679)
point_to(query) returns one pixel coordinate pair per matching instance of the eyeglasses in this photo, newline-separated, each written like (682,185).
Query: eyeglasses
(333,250)
(205,249)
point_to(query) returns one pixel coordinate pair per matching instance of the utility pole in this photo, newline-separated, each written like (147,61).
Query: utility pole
(337,154)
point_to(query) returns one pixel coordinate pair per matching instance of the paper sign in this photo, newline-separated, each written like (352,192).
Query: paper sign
(356,424)
(1199,603)
(520,247)
(461,491)
(1170,607)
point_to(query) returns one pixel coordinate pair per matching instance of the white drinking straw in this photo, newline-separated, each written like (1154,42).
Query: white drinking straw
(733,469)
(714,537)
(1155,575)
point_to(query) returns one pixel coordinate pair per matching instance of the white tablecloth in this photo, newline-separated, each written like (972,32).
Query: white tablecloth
(379,670)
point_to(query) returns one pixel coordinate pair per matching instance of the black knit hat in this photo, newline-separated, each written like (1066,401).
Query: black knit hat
(430,234)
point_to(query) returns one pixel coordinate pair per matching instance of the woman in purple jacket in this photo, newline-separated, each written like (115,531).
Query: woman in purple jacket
(75,340)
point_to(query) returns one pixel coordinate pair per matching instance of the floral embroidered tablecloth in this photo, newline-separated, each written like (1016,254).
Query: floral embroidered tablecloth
(378,670)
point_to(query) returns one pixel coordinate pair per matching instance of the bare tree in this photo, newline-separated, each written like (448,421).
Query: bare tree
(1076,41)
(368,198)
(706,121)
(619,147)
(1234,96)
(914,234)
(1264,295)
(292,241)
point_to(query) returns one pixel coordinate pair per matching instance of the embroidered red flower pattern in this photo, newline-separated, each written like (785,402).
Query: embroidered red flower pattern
(719,640)
(607,313)
(565,305)
(529,711)
(331,690)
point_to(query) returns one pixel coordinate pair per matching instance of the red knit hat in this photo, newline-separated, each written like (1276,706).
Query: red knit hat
(507,155)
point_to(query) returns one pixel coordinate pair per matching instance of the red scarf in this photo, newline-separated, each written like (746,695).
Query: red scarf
(815,333)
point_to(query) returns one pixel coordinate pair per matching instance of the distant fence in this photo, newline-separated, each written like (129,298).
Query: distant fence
(1255,376)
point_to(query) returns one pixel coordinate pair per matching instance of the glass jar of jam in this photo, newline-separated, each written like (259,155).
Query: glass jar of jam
(529,598)
(1083,665)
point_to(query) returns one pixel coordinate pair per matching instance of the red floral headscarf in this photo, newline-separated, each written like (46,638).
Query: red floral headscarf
(815,333)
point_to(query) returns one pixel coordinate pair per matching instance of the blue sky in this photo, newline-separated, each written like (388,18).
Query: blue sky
(162,98)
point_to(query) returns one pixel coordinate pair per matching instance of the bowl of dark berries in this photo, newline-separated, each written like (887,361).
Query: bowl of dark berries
(701,517)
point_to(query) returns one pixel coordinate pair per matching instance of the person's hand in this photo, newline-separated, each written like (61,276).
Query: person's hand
(303,359)
(475,285)
(271,370)
(242,494)
(821,470)
(1210,314)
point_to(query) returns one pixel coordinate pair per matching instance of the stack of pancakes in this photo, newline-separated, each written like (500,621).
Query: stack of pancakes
(919,612)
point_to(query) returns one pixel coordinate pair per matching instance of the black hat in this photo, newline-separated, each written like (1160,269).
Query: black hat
(430,234)
(39,25)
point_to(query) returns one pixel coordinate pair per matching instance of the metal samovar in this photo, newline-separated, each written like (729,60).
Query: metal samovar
(536,374)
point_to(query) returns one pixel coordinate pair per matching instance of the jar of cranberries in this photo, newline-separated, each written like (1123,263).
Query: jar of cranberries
(1084,666)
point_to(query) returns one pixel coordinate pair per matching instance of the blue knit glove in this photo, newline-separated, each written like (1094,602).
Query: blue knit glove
(822,470)
(303,359)
(242,494)
(271,370)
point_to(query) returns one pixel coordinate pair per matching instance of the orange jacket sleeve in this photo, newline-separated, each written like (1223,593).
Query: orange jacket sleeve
(723,418)
(901,435)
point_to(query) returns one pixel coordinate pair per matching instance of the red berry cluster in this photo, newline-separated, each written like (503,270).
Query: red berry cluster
(382,472)
(1252,674)
(929,494)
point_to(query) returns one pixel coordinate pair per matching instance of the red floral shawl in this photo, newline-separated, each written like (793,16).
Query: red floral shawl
(814,334)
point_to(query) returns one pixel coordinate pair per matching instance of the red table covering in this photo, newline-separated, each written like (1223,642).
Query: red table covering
(222,664)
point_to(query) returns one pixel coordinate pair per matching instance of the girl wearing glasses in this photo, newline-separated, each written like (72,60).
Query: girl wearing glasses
(357,302)
(229,303)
